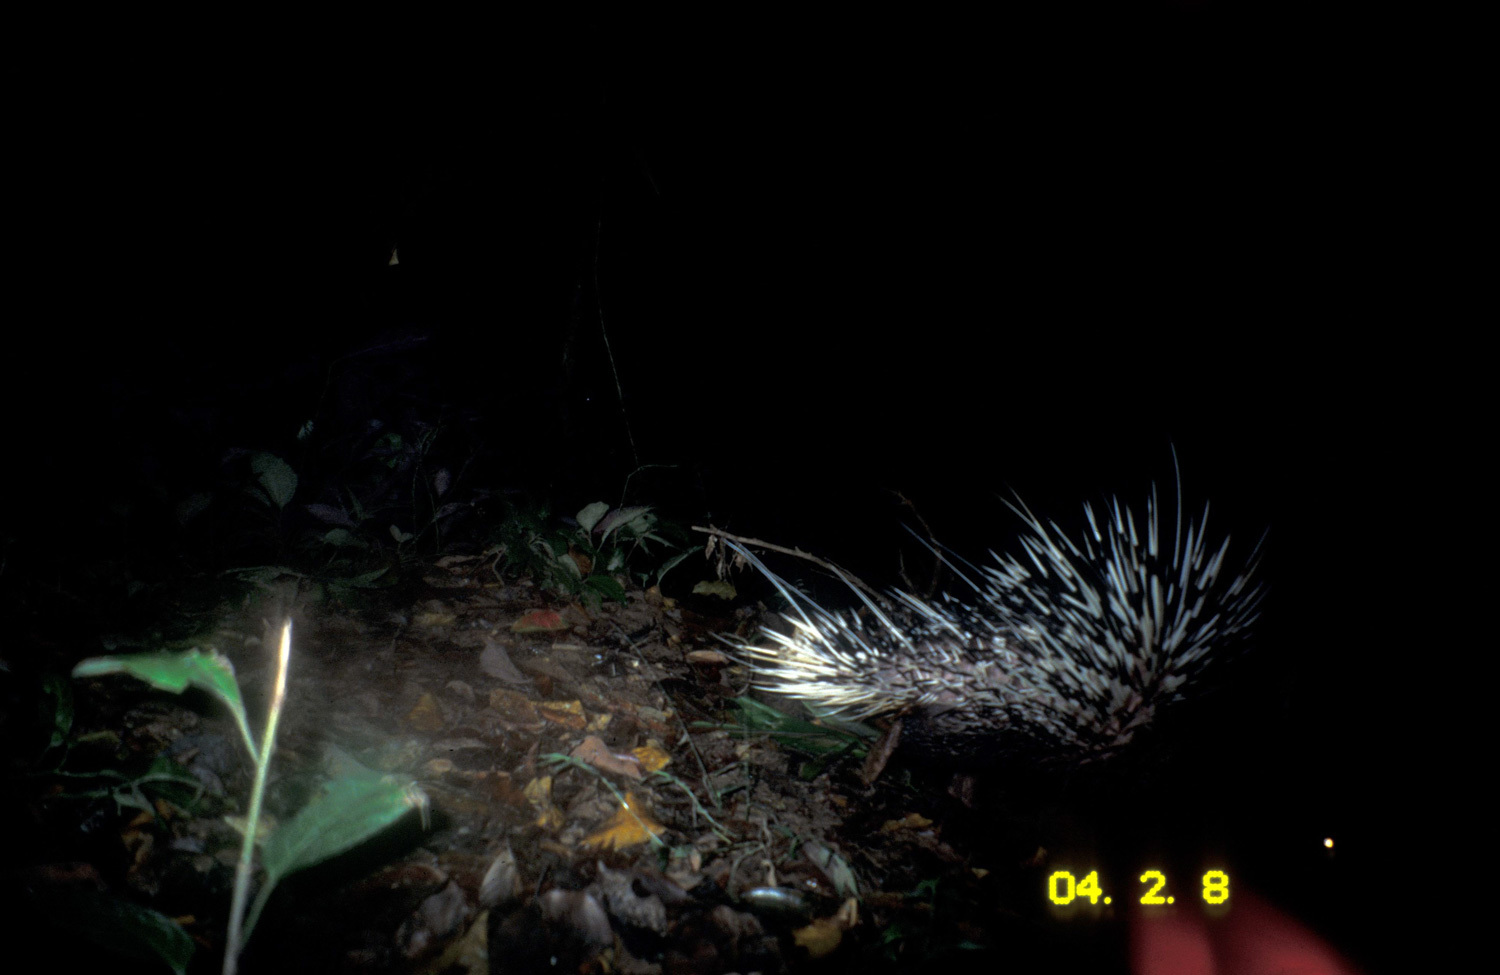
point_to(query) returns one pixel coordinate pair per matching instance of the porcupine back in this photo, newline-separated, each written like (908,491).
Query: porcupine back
(1065,652)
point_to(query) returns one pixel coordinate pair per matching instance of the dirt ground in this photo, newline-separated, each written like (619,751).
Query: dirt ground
(590,762)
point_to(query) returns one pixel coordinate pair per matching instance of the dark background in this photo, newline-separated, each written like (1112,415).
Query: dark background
(1029,252)
(835,259)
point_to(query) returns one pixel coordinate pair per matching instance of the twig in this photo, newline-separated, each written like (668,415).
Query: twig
(842,574)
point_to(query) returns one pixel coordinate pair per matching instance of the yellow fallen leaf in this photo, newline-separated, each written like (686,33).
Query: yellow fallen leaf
(821,937)
(909,821)
(629,826)
(653,757)
(538,793)
(569,714)
(427,715)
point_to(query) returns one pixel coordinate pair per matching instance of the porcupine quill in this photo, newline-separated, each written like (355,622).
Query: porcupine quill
(1063,653)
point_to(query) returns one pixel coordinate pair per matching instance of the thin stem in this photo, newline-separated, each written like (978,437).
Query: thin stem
(237,934)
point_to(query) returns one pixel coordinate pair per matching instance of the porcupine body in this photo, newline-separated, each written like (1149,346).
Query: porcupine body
(1064,653)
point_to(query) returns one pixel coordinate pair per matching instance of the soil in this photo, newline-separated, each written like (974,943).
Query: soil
(526,720)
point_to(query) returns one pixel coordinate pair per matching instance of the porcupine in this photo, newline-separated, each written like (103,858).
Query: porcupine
(1063,655)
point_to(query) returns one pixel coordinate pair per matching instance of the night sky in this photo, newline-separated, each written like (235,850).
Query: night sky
(834,258)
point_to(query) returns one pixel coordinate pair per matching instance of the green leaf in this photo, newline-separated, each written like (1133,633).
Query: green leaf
(365,580)
(169,780)
(192,506)
(342,538)
(56,709)
(829,739)
(176,672)
(722,588)
(630,522)
(276,478)
(119,926)
(590,515)
(356,508)
(675,561)
(351,810)
(565,568)
(607,587)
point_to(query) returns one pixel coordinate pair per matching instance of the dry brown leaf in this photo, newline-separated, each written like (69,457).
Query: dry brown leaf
(517,709)
(539,621)
(594,751)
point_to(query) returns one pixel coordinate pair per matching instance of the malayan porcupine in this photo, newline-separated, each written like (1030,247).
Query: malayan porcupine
(1064,654)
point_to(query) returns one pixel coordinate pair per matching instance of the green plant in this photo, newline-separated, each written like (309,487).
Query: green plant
(355,805)
(370,499)
(582,559)
(827,741)
(131,785)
